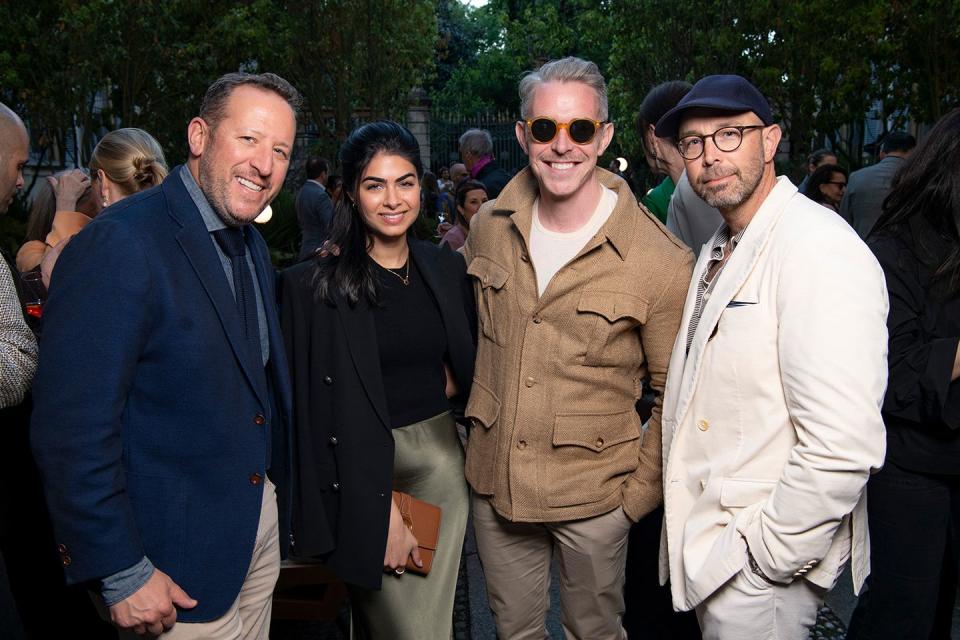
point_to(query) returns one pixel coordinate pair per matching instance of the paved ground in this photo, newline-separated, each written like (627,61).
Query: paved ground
(471,612)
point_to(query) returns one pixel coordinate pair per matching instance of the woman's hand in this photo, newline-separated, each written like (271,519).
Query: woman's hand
(451,382)
(401,544)
(69,188)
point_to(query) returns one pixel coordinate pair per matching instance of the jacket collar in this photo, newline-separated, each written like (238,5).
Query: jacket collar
(517,198)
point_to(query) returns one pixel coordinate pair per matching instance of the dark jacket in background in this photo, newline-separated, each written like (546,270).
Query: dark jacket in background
(493,178)
(344,442)
(314,213)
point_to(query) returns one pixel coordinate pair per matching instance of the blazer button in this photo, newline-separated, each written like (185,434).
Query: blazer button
(522,444)
(524,257)
(599,442)
(327,380)
(67,561)
(703,425)
(255,479)
(335,486)
(259,420)
(62,548)
(333,441)
(529,382)
(537,319)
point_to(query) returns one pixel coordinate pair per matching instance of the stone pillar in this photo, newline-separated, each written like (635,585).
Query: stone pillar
(418,121)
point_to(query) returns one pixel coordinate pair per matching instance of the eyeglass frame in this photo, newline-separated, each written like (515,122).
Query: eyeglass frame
(597,126)
(842,184)
(703,139)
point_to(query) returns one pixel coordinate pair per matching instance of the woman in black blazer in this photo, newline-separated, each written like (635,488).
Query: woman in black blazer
(380,340)
(913,503)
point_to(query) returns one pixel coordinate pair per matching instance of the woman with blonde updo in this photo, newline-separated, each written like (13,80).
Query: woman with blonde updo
(126,161)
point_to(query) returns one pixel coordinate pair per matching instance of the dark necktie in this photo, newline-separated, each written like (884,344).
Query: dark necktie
(232,243)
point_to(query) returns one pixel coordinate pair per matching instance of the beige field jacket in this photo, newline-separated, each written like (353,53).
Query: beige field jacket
(555,433)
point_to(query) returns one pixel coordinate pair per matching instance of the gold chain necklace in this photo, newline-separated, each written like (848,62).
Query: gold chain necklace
(405,279)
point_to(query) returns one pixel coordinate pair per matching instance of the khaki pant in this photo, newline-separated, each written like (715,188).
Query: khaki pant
(516,557)
(249,616)
(749,607)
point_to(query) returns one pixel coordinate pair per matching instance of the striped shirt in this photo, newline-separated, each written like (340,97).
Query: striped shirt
(721,248)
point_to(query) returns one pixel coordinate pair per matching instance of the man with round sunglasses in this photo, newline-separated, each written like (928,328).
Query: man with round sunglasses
(579,292)
(771,415)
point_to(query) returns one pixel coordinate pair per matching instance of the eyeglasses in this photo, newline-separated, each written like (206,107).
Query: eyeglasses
(726,139)
(581,130)
(842,185)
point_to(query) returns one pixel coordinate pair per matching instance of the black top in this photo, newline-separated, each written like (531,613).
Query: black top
(412,345)
(921,409)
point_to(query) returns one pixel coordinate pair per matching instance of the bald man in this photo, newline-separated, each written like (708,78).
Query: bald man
(18,347)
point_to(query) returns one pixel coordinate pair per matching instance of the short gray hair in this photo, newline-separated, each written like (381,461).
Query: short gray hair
(568,69)
(476,142)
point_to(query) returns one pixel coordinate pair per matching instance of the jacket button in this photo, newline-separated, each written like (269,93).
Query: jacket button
(335,486)
(525,257)
(529,382)
(486,279)
(62,548)
(703,425)
(259,420)
(599,442)
(327,380)
(255,479)
(333,441)
(522,444)
(67,561)
(537,319)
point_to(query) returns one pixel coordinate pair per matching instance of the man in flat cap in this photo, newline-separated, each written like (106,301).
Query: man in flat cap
(771,414)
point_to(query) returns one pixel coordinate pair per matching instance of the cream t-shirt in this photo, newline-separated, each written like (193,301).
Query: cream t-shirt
(550,250)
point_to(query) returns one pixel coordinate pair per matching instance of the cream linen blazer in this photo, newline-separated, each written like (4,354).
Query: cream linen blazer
(771,423)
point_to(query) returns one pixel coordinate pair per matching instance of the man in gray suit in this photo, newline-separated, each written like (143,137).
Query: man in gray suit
(866,189)
(314,208)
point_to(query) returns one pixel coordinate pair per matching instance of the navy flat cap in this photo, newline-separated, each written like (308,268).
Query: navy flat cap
(723,93)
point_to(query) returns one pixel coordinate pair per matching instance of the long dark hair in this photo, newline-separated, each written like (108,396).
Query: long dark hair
(822,175)
(352,274)
(925,196)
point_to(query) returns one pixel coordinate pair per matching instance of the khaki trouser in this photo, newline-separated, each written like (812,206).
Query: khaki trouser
(516,557)
(248,618)
(747,606)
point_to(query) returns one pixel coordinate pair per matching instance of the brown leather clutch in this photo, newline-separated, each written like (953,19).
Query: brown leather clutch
(423,519)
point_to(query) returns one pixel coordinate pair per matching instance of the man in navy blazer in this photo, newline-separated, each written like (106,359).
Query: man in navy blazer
(162,397)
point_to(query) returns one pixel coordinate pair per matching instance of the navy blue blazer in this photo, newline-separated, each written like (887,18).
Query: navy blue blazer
(152,417)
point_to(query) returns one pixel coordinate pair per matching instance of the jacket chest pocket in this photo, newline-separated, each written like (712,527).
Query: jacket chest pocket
(490,281)
(603,334)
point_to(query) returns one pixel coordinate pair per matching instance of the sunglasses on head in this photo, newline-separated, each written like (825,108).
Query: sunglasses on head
(580,130)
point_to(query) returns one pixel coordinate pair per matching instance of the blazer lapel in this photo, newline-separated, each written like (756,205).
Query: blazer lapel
(361,333)
(735,273)
(195,241)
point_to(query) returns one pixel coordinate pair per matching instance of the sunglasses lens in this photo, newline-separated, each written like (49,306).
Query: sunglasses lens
(543,130)
(582,131)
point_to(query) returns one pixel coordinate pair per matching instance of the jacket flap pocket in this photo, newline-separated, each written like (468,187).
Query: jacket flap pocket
(483,407)
(488,272)
(743,492)
(613,305)
(596,432)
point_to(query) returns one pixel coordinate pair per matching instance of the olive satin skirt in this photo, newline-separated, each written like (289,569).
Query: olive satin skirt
(428,464)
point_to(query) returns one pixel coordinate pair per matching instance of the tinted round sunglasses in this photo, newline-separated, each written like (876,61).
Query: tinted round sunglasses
(581,130)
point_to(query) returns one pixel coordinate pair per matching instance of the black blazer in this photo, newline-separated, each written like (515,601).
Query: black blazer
(343,459)
(921,409)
